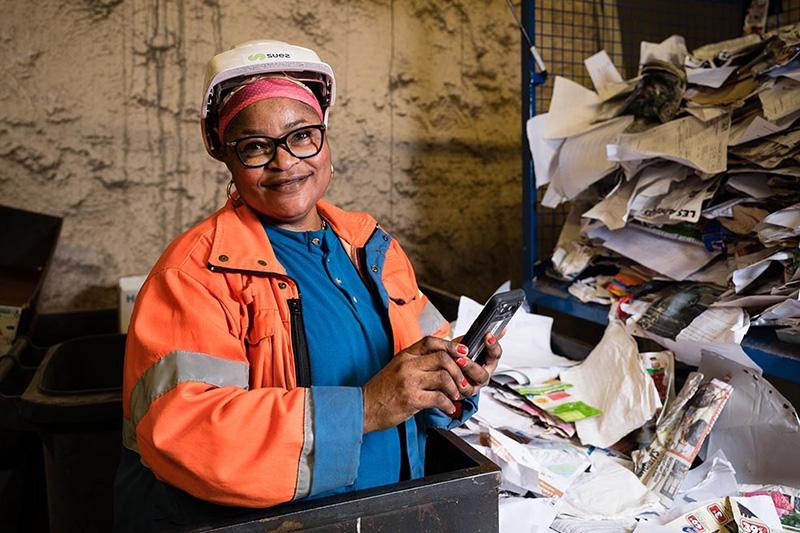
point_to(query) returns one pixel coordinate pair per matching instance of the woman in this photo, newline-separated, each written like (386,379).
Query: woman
(240,392)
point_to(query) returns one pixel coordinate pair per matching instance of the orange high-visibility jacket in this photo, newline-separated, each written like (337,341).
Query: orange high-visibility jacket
(216,392)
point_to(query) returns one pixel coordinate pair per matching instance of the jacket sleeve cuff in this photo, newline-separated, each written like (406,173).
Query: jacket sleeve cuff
(338,432)
(435,418)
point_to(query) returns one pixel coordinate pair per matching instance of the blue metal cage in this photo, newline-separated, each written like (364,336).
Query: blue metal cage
(567,32)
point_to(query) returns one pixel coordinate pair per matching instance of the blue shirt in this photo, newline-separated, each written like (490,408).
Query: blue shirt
(347,334)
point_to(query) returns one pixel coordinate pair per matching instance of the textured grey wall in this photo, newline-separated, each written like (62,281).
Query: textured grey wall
(99,117)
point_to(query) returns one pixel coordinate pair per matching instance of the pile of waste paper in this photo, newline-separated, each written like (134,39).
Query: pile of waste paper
(621,439)
(684,186)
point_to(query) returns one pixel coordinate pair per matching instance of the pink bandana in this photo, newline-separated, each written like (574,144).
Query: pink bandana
(262,89)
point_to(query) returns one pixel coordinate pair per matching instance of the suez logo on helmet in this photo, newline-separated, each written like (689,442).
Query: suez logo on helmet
(261,56)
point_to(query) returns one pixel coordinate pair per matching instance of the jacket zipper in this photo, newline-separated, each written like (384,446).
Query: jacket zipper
(302,366)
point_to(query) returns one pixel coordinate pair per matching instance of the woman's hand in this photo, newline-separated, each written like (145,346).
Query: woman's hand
(478,375)
(424,375)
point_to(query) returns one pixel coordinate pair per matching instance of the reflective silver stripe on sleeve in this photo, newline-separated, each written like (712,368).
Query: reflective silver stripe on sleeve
(129,435)
(430,320)
(306,463)
(179,367)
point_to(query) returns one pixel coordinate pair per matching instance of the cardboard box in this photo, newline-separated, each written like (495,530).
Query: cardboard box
(128,290)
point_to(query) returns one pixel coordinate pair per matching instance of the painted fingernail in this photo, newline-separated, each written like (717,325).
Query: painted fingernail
(462,362)
(457,397)
(464,382)
(491,339)
(463,350)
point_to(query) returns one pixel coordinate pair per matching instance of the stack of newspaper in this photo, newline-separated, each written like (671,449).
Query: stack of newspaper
(684,185)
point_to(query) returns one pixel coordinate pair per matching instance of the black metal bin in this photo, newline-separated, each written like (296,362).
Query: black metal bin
(459,493)
(74,401)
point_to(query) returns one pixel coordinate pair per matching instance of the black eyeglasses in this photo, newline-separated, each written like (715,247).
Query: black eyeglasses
(259,150)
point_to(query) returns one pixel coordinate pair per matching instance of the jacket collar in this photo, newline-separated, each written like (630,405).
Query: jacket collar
(240,242)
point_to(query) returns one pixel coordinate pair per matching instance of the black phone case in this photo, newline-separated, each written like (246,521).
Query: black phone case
(494,317)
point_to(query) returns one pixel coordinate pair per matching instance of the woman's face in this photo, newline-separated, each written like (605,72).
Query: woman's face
(287,189)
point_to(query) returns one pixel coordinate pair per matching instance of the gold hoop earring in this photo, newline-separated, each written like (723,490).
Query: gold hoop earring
(229,188)
(332,170)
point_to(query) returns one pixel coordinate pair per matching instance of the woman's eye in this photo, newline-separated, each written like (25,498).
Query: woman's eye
(300,136)
(251,147)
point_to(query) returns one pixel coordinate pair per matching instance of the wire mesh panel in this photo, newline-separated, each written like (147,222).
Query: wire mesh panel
(566,32)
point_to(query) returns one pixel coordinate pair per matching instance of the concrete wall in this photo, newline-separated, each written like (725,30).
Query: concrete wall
(99,124)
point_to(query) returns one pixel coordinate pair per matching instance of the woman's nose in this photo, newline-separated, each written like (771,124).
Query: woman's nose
(283,160)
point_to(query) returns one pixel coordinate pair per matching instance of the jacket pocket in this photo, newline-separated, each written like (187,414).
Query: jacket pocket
(262,325)
(400,287)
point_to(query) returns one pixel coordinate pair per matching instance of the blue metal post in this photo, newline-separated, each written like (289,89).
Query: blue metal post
(529,236)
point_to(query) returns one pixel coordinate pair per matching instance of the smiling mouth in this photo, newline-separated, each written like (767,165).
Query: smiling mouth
(287,183)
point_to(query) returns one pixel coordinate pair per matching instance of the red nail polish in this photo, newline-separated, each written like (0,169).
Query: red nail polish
(462,362)
(464,382)
(462,349)
(491,339)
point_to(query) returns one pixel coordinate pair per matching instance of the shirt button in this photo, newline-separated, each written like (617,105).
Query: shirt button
(281,285)
(223,258)
(338,281)
(385,237)
(374,268)
(262,262)
(315,241)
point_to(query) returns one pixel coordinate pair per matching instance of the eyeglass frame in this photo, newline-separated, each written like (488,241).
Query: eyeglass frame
(279,142)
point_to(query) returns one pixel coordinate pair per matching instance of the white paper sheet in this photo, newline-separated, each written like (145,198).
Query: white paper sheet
(672,258)
(758,429)
(672,50)
(708,51)
(715,478)
(755,300)
(780,100)
(543,151)
(527,339)
(582,158)
(757,127)
(764,508)
(572,110)
(780,225)
(745,276)
(683,202)
(705,113)
(527,515)
(609,490)
(709,77)
(692,142)
(613,209)
(565,524)
(691,352)
(498,415)
(725,209)
(785,313)
(614,380)
(727,325)
(656,180)
(752,184)
(546,468)
(716,273)
(604,74)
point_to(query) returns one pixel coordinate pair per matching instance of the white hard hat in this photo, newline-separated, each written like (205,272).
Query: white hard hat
(251,58)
